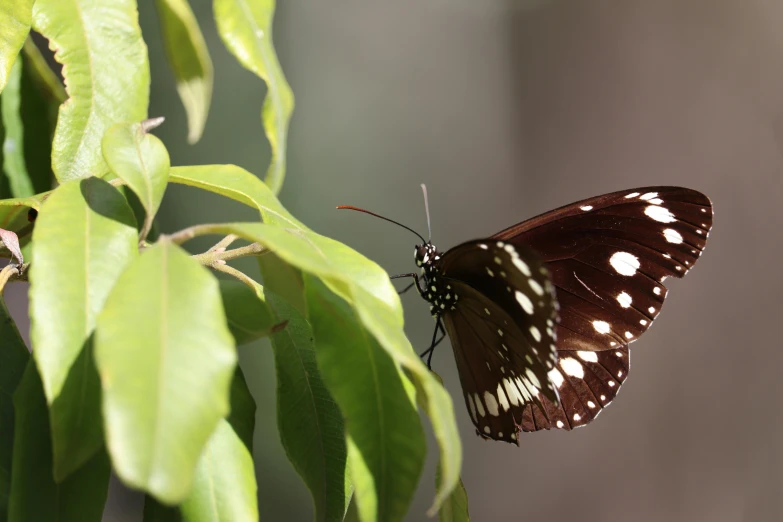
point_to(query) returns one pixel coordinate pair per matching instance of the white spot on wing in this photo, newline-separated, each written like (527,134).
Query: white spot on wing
(648,195)
(624,299)
(651,310)
(577,417)
(632,195)
(486,430)
(535,333)
(483,246)
(602,327)
(502,397)
(532,377)
(657,291)
(472,406)
(628,335)
(512,392)
(672,236)
(591,404)
(559,424)
(586,208)
(521,265)
(525,302)
(587,356)
(492,404)
(572,367)
(479,404)
(535,286)
(660,214)
(624,263)
(556,377)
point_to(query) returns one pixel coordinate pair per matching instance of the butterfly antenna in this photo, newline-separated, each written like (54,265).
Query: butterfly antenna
(348,207)
(427,209)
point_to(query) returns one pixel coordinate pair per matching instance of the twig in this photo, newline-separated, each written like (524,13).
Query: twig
(7,273)
(224,243)
(211,256)
(237,274)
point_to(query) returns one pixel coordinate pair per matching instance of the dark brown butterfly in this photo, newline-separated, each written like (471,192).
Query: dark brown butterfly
(540,315)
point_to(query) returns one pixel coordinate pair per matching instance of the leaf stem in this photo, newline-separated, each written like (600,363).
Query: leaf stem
(221,255)
(241,276)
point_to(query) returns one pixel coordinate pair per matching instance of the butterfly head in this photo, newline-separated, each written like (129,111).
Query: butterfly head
(425,254)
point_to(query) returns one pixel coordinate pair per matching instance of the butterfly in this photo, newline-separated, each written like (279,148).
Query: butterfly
(540,315)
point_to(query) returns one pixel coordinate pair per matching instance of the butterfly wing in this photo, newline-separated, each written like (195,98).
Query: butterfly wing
(501,327)
(608,257)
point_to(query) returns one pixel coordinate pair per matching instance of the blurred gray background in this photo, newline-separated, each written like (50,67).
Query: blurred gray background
(506,109)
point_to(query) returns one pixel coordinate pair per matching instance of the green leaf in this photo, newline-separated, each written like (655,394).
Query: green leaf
(141,161)
(366,286)
(107,75)
(13,360)
(243,409)
(455,507)
(386,437)
(84,238)
(13,143)
(166,358)
(225,485)
(238,184)
(15,20)
(39,115)
(310,422)
(283,280)
(34,493)
(246,28)
(249,317)
(154,511)
(188,58)
(44,77)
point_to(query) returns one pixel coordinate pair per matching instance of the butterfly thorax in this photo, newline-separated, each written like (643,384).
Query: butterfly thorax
(432,286)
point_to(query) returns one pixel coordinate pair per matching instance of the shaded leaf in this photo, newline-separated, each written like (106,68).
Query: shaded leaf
(106,71)
(39,114)
(44,77)
(154,511)
(13,142)
(386,437)
(284,280)
(13,360)
(15,20)
(309,420)
(243,409)
(84,238)
(189,60)
(34,494)
(166,358)
(141,161)
(246,28)
(249,317)
(224,488)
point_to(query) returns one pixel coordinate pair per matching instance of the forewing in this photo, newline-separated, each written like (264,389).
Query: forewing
(608,257)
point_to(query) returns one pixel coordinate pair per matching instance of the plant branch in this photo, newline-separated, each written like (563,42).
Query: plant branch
(212,257)
(230,270)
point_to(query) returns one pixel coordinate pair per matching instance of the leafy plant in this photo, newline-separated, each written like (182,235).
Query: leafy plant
(134,367)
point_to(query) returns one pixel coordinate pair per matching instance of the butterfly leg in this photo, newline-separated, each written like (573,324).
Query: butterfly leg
(414,283)
(431,350)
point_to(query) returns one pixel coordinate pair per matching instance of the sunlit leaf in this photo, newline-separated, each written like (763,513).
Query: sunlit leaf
(225,485)
(106,72)
(246,28)
(189,60)
(166,359)
(141,161)
(84,238)
(15,20)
